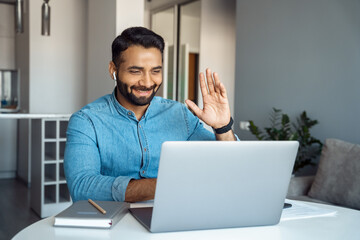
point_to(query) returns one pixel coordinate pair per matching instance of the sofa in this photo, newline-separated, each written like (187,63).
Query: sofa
(337,180)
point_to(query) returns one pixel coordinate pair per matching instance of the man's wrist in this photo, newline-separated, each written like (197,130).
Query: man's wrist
(225,128)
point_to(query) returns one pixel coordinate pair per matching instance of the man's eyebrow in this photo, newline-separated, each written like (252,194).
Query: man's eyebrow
(156,68)
(141,68)
(135,67)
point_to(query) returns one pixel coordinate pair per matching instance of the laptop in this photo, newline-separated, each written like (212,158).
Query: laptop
(219,184)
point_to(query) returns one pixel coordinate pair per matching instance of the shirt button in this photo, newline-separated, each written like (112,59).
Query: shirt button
(145,149)
(139,126)
(129,113)
(143,172)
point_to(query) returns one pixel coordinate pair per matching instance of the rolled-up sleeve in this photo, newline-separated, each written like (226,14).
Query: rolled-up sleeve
(82,165)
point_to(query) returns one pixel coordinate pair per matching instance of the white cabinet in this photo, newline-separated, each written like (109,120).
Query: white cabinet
(49,192)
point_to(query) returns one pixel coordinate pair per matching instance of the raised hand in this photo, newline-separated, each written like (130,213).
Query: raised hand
(216,110)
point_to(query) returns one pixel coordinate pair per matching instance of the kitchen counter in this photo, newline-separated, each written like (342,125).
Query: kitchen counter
(33,115)
(16,138)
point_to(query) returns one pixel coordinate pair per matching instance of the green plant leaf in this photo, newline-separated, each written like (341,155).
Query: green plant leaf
(281,128)
(255,130)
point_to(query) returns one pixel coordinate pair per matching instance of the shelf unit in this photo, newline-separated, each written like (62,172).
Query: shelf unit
(49,192)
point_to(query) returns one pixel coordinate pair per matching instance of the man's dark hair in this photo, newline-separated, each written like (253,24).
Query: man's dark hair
(135,36)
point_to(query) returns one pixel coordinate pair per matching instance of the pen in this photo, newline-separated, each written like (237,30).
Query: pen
(97,206)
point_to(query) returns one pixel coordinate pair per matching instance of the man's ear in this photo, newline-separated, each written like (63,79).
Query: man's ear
(112,69)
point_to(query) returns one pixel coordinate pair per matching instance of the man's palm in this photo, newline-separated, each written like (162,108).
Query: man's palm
(216,110)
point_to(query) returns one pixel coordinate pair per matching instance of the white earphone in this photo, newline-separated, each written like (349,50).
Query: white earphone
(114,76)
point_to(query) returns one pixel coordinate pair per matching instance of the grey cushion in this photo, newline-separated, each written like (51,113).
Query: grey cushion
(338,177)
(299,186)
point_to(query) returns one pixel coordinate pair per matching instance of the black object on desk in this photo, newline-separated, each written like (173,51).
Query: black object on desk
(287,205)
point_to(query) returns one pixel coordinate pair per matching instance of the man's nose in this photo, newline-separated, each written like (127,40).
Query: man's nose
(146,80)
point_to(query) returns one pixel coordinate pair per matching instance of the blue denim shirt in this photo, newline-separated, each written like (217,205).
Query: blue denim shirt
(107,146)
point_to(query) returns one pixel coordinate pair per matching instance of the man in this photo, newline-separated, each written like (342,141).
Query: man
(113,144)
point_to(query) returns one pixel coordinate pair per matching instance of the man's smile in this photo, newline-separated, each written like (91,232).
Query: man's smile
(143,91)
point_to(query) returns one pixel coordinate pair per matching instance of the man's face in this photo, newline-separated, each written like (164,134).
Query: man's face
(139,75)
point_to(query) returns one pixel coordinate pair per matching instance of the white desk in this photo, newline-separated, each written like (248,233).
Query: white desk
(344,225)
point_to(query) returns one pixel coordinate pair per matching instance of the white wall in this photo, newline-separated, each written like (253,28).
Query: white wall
(217,42)
(129,14)
(190,32)
(57,62)
(163,24)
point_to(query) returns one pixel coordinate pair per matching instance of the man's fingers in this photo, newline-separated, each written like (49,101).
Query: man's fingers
(217,82)
(203,88)
(219,86)
(222,90)
(212,84)
(194,108)
(210,81)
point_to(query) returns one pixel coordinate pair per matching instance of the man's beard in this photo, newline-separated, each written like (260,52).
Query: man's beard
(139,101)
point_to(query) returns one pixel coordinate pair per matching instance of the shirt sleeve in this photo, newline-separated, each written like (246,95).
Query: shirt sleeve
(82,165)
(195,128)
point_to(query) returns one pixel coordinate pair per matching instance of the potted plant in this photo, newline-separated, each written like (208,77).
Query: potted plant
(281,129)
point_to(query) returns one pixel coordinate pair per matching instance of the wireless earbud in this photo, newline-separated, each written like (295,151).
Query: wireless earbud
(114,76)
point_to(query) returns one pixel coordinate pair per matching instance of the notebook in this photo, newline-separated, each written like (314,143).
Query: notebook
(83,214)
(218,184)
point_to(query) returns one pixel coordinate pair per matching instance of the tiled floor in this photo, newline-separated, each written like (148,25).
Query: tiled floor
(15,213)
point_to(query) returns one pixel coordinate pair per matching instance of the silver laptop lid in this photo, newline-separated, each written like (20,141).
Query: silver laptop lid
(205,185)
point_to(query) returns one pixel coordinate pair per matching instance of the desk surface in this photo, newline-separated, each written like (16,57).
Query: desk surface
(344,225)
